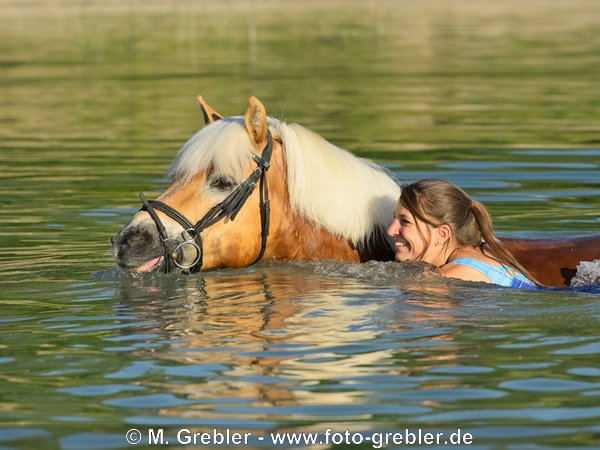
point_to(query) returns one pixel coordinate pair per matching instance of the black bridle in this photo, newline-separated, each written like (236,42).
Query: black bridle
(228,208)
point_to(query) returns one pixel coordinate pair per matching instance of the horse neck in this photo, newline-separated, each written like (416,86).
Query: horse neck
(292,236)
(296,238)
(301,240)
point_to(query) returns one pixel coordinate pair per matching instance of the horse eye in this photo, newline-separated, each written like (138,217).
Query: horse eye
(223,183)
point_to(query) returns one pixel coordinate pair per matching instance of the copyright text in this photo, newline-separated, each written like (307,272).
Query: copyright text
(377,440)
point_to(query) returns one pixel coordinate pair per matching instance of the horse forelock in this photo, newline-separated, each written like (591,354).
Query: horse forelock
(349,196)
(330,187)
(223,146)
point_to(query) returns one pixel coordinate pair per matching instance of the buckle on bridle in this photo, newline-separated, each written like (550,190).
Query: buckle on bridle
(181,245)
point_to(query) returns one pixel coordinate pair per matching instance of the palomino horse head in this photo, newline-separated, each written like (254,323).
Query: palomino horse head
(325,203)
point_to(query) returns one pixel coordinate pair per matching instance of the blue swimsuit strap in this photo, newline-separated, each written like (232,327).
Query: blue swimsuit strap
(505,276)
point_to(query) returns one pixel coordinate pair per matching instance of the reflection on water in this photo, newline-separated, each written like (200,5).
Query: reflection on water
(306,346)
(499,97)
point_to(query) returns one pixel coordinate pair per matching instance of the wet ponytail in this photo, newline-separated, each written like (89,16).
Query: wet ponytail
(502,255)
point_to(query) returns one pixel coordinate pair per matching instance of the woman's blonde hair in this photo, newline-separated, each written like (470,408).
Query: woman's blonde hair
(438,202)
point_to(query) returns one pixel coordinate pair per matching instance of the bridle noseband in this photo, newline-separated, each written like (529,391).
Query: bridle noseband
(228,208)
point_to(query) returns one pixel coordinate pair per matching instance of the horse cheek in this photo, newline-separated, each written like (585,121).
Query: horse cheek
(236,253)
(235,249)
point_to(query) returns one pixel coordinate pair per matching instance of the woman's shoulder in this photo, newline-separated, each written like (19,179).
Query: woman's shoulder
(463,271)
(469,264)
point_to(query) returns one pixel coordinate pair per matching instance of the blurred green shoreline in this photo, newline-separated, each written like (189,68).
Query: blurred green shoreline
(579,10)
(390,75)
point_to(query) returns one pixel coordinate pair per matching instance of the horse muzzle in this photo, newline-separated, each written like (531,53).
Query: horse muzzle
(140,248)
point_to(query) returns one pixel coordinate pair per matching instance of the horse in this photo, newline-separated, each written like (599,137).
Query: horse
(252,187)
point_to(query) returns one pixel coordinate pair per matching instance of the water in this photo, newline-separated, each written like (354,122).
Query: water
(97,98)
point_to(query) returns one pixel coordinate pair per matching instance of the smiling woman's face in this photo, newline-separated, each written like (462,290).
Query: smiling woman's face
(413,238)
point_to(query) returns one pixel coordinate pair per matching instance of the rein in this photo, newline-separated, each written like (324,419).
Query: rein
(228,208)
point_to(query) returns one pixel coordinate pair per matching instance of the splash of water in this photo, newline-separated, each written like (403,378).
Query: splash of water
(588,273)
(586,279)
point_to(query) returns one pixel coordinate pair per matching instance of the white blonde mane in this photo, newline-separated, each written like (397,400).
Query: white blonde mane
(330,187)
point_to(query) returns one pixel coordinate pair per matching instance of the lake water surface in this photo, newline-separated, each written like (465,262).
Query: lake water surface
(97,97)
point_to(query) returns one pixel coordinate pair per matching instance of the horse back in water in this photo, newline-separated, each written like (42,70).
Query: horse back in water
(553,262)
(252,187)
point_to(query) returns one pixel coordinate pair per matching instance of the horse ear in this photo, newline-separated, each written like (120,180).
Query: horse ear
(256,122)
(210,115)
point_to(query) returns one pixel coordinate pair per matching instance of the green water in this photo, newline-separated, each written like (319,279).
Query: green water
(96,99)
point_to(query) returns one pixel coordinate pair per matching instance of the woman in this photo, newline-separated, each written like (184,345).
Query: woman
(437,222)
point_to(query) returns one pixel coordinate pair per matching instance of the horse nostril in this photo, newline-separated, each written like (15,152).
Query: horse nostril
(139,238)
